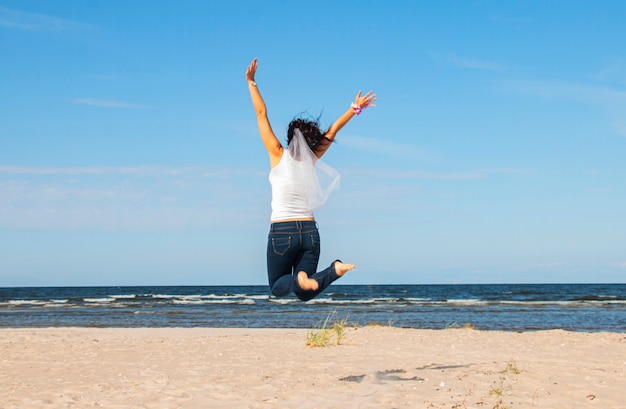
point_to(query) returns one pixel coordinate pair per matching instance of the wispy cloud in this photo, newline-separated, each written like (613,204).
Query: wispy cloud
(612,72)
(620,128)
(130,198)
(388,147)
(613,99)
(569,90)
(21,20)
(425,175)
(91,170)
(473,63)
(553,264)
(415,153)
(599,190)
(105,77)
(135,170)
(107,103)
(509,20)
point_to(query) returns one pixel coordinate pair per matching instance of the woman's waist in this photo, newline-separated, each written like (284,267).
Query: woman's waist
(295,225)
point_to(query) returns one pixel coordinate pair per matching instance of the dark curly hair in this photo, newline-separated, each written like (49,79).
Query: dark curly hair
(311,130)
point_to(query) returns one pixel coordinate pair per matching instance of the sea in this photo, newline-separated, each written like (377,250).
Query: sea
(506,307)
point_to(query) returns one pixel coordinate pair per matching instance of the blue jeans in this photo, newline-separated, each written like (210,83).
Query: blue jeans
(293,247)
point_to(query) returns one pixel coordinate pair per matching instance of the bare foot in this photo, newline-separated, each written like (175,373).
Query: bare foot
(342,268)
(306,283)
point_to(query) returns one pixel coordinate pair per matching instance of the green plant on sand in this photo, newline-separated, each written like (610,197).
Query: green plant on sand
(498,392)
(327,332)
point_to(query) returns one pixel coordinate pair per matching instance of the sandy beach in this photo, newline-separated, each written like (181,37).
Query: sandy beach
(372,367)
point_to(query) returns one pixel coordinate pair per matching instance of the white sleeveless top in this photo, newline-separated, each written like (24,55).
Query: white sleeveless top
(300,182)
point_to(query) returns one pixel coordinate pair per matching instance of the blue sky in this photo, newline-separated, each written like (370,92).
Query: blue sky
(129,152)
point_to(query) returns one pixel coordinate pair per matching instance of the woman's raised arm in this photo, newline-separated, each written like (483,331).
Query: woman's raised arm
(272,144)
(359,104)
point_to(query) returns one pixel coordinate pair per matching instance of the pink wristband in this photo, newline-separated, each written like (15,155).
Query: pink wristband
(356,109)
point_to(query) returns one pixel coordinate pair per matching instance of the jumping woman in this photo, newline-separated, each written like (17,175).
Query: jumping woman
(293,245)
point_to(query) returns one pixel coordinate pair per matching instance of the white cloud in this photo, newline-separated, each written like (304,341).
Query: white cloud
(105,77)
(613,99)
(425,175)
(568,90)
(615,71)
(620,128)
(146,170)
(21,20)
(144,198)
(388,147)
(473,63)
(509,20)
(550,265)
(107,103)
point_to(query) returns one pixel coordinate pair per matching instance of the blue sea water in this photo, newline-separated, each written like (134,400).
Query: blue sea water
(509,307)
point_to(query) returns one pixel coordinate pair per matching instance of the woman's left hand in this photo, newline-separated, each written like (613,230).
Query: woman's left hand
(365,100)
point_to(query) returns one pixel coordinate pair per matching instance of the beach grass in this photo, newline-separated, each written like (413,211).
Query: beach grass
(504,385)
(327,333)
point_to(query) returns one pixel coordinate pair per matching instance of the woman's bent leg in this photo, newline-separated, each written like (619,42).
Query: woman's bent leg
(311,245)
(324,278)
(294,247)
